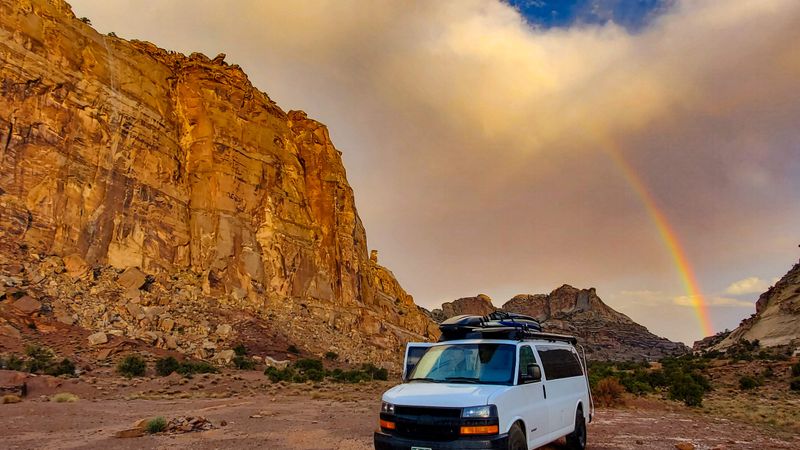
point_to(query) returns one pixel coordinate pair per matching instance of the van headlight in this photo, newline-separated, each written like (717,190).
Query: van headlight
(387,408)
(479,412)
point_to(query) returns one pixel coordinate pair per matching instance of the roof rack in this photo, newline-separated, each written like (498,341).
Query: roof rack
(497,325)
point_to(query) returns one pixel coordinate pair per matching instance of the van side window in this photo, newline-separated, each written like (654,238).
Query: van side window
(525,357)
(559,362)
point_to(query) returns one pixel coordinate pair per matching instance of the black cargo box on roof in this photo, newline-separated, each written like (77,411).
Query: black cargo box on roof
(497,325)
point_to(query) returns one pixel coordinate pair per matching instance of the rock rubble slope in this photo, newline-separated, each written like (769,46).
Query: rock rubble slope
(164,186)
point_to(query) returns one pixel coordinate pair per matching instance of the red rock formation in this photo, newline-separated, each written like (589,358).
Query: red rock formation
(119,153)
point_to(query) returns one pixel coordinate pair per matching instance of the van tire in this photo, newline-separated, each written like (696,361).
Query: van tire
(577,439)
(516,438)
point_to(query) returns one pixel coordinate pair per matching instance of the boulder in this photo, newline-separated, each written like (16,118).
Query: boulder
(132,278)
(27,305)
(223,330)
(225,356)
(271,362)
(98,338)
(9,331)
(75,266)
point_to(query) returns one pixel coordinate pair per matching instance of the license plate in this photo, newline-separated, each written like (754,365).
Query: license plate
(421,448)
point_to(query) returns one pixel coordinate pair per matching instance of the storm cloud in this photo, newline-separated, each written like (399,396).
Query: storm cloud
(478,144)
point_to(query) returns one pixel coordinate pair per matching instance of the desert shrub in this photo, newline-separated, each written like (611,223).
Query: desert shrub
(165,366)
(64,397)
(14,362)
(64,367)
(795,384)
(156,425)
(608,392)
(244,363)
(189,368)
(275,375)
(10,398)
(39,358)
(315,374)
(374,372)
(796,370)
(747,382)
(686,388)
(132,366)
(308,364)
(769,372)
(331,356)
(293,349)
(240,350)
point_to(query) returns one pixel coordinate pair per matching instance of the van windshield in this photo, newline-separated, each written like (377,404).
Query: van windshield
(467,363)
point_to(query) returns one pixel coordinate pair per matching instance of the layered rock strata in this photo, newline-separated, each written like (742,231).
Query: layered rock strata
(119,154)
(606,333)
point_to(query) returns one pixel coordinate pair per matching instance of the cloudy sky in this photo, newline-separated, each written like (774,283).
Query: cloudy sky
(486,140)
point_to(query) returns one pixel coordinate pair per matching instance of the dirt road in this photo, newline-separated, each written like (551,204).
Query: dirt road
(326,417)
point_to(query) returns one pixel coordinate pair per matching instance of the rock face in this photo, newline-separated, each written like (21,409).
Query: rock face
(119,154)
(606,333)
(777,318)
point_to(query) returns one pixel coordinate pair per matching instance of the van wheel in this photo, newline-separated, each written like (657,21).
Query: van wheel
(516,439)
(577,439)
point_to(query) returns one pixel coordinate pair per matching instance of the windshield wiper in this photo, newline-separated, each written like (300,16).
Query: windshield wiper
(462,380)
(430,380)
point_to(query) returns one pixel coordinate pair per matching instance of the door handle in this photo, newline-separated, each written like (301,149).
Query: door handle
(544,390)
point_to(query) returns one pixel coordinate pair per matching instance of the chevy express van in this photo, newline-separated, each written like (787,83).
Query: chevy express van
(493,382)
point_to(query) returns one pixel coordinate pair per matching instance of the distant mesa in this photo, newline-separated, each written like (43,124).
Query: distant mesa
(605,333)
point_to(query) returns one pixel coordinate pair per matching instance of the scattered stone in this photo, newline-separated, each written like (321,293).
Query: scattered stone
(65,318)
(27,305)
(167,325)
(132,278)
(98,338)
(224,330)
(75,266)
(225,356)
(9,331)
(639,442)
(684,446)
(136,311)
(223,423)
(271,362)
(208,345)
(130,433)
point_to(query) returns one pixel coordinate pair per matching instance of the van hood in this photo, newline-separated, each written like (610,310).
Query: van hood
(445,395)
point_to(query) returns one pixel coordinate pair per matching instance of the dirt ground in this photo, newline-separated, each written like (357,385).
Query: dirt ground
(260,414)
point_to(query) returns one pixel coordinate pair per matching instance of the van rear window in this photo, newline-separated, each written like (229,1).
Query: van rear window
(559,363)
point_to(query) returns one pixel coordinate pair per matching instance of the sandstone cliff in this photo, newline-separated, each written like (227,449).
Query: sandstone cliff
(117,154)
(776,321)
(606,333)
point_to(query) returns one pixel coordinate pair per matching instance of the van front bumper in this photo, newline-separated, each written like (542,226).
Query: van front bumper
(388,442)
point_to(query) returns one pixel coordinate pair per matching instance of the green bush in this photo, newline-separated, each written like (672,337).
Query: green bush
(240,350)
(165,366)
(132,366)
(64,367)
(39,358)
(293,349)
(244,363)
(331,356)
(308,364)
(275,375)
(14,362)
(189,368)
(795,384)
(156,425)
(315,374)
(747,382)
(686,389)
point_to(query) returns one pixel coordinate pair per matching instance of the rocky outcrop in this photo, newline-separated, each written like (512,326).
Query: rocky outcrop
(776,321)
(119,154)
(480,305)
(606,333)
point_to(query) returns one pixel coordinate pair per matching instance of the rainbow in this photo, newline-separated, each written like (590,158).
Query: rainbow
(669,237)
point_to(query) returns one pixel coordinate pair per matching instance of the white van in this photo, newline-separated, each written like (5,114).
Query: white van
(488,384)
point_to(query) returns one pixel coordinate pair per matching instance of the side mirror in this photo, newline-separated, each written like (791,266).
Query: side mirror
(532,374)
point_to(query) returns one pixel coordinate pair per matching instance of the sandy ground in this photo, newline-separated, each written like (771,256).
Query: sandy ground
(260,414)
